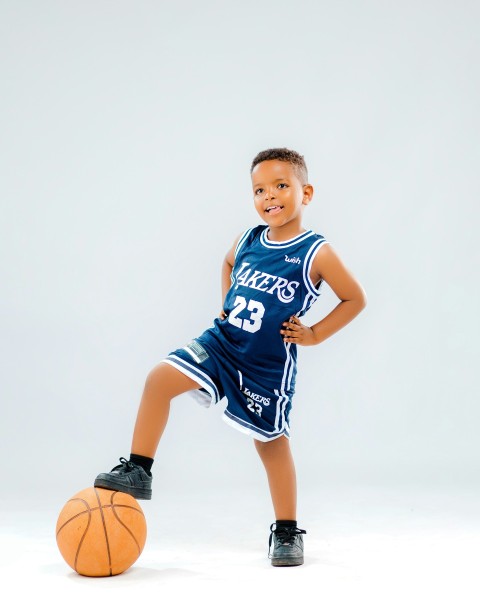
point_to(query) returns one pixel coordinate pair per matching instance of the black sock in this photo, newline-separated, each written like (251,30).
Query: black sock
(285,523)
(142,461)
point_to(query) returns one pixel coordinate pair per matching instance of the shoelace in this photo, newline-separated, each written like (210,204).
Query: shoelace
(286,535)
(125,464)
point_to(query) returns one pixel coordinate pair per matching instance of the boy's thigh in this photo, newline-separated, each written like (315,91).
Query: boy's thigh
(170,380)
(202,368)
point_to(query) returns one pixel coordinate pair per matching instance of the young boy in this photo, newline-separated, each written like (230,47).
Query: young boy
(271,276)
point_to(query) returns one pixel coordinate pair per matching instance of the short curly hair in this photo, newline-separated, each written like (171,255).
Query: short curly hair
(294,158)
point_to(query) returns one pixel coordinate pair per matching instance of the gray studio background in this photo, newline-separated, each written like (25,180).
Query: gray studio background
(127,132)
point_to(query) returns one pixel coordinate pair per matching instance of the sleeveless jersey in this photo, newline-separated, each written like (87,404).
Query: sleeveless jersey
(270,283)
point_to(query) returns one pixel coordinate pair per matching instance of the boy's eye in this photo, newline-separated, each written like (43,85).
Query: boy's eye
(261,190)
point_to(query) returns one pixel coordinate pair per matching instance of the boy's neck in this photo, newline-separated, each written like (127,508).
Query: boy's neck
(282,234)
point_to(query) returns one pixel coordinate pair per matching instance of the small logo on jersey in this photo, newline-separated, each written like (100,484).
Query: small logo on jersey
(294,259)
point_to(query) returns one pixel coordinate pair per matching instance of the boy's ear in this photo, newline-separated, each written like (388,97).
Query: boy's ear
(307,194)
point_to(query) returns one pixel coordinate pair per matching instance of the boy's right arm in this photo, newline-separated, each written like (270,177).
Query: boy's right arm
(227,268)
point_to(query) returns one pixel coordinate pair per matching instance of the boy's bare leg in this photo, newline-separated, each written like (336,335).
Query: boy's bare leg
(278,462)
(163,383)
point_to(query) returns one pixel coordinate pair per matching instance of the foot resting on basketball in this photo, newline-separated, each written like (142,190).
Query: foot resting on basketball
(127,477)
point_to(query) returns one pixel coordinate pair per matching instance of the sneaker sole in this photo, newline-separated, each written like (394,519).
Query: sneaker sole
(287,562)
(117,487)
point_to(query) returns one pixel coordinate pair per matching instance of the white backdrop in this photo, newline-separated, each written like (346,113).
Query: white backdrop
(127,132)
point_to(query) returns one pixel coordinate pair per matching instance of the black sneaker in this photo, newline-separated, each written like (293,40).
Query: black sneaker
(285,546)
(129,478)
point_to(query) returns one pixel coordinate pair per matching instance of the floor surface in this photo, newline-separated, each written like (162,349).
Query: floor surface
(362,542)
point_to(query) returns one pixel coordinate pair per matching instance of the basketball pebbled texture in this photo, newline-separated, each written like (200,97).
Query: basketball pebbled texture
(101,532)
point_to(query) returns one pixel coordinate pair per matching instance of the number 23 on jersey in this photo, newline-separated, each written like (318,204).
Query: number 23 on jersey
(254,321)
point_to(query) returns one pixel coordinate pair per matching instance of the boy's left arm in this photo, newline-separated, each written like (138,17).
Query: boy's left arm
(328,266)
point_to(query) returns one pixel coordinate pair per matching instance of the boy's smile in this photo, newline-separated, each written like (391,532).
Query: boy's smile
(273,210)
(280,197)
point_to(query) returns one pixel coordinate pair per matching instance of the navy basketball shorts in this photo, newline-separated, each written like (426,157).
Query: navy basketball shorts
(252,406)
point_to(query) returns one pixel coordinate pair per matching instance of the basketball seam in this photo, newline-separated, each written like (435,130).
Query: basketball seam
(88,511)
(92,509)
(84,512)
(122,523)
(83,537)
(105,531)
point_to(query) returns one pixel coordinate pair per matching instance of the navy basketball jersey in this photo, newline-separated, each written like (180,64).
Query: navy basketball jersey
(270,283)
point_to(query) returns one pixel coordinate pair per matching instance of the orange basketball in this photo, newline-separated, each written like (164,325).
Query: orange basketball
(101,532)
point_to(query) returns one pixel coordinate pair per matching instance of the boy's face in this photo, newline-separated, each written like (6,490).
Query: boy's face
(279,194)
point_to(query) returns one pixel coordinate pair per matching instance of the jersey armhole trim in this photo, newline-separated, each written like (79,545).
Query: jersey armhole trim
(242,240)
(307,266)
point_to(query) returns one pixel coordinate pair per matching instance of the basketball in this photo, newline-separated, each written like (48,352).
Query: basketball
(101,532)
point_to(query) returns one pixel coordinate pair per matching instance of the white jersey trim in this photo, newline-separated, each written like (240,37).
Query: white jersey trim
(241,241)
(281,423)
(286,243)
(307,266)
(252,431)
(309,300)
(238,247)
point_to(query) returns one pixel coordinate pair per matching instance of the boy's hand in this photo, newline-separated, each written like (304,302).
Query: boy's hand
(295,332)
(223,315)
